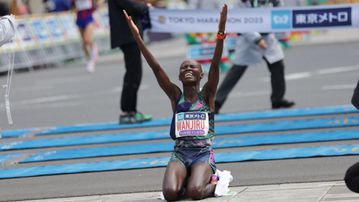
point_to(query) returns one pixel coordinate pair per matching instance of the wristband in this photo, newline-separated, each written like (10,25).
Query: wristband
(221,35)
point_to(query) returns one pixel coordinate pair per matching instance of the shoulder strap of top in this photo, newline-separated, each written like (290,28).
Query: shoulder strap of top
(180,95)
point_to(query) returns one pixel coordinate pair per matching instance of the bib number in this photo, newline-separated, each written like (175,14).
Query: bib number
(192,124)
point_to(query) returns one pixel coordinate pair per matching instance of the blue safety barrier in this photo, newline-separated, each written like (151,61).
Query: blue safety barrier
(164,122)
(284,113)
(219,118)
(14,133)
(84,140)
(103,126)
(5,157)
(168,146)
(163,134)
(270,154)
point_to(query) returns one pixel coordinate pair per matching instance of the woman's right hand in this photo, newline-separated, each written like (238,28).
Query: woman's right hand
(131,24)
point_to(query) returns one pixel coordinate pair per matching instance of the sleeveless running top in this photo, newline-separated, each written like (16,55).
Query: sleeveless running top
(192,123)
(82,5)
(84,8)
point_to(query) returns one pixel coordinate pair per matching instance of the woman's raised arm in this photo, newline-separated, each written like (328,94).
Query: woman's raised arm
(161,76)
(213,75)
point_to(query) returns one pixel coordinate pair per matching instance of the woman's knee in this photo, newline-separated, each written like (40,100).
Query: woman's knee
(195,192)
(171,193)
(87,41)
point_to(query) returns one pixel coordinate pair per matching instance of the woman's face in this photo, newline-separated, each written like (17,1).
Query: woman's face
(190,71)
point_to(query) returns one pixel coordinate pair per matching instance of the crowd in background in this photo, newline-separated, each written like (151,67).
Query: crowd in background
(28,7)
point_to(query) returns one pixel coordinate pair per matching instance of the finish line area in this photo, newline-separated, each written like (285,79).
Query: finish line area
(40,152)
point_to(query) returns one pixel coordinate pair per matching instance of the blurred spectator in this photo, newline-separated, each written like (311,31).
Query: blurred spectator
(58,5)
(19,7)
(355,98)
(313,2)
(252,48)
(121,37)
(352,174)
(208,4)
(86,23)
(7,29)
(157,3)
(4,9)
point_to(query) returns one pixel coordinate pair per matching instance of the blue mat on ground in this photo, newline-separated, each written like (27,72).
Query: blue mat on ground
(227,157)
(219,118)
(14,133)
(163,134)
(84,140)
(5,157)
(168,146)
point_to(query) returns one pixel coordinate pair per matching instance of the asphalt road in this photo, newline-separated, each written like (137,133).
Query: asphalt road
(317,75)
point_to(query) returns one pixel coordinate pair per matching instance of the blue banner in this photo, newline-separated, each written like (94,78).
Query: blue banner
(257,19)
(331,17)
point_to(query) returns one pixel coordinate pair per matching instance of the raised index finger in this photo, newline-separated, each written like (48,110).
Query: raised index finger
(125,13)
(224,11)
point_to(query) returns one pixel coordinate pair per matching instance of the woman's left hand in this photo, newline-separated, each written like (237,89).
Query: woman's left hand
(223,19)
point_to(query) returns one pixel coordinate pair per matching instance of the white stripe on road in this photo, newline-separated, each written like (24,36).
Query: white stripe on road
(42,100)
(299,75)
(337,69)
(294,76)
(118,89)
(60,98)
(347,197)
(338,87)
(303,75)
(249,94)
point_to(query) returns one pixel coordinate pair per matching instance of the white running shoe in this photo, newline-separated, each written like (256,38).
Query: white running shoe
(90,67)
(162,197)
(225,177)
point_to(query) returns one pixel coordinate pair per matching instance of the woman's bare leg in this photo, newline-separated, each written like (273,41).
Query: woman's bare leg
(84,45)
(87,41)
(89,47)
(199,185)
(174,180)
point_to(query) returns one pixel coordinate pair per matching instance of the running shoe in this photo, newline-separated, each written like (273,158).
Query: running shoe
(282,104)
(125,119)
(224,178)
(90,67)
(134,117)
(142,117)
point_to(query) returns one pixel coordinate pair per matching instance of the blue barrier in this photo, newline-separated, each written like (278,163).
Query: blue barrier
(5,157)
(168,146)
(163,134)
(271,154)
(84,140)
(14,133)
(164,122)
(219,118)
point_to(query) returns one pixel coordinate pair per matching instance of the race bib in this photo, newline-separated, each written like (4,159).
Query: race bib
(83,4)
(192,124)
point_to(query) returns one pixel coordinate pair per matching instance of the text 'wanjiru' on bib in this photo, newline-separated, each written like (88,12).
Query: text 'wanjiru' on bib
(192,124)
